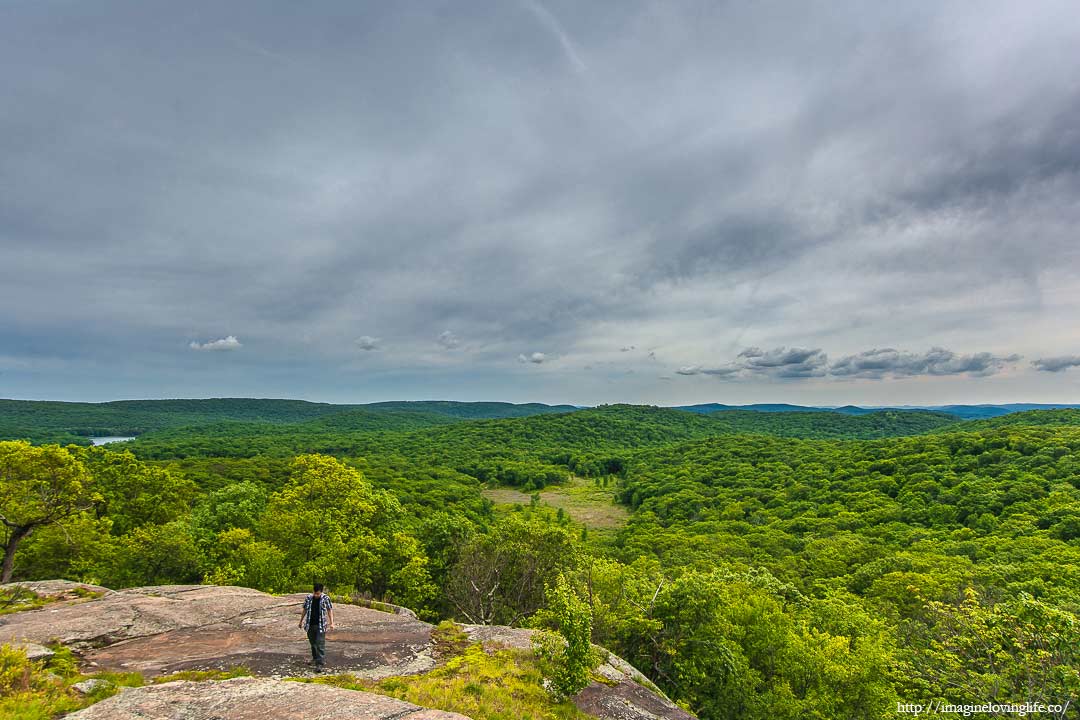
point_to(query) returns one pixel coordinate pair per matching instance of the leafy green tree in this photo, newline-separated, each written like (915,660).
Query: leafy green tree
(239,505)
(500,577)
(569,659)
(996,652)
(76,550)
(238,558)
(39,486)
(155,555)
(332,525)
(134,493)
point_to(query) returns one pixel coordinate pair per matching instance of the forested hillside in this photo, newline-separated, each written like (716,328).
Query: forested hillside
(803,424)
(757,575)
(1065,417)
(68,422)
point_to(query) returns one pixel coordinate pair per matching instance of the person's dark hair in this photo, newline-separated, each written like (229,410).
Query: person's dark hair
(318,587)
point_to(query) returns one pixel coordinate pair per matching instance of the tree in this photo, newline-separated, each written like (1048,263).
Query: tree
(570,657)
(38,486)
(134,493)
(500,577)
(1021,648)
(333,526)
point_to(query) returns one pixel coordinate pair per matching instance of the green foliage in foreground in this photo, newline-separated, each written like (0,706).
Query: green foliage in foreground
(569,654)
(41,690)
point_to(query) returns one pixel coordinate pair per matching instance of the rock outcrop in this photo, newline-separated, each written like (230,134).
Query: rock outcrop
(166,629)
(251,698)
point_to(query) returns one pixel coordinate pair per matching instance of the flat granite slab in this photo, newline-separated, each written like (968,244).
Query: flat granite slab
(161,630)
(254,699)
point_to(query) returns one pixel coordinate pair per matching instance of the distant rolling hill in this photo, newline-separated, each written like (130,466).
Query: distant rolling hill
(1025,418)
(472,410)
(442,440)
(823,425)
(967,412)
(71,422)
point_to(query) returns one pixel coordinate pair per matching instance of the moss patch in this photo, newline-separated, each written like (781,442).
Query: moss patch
(17,599)
(204,675)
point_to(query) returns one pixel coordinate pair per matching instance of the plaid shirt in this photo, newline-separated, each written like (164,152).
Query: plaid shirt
(324,609)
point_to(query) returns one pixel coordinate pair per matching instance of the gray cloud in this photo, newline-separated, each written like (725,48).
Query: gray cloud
(780,363)
(785,362)
(791,363)
(1056,364)
(535,358)
(448,340)
(540,174)
(367,343)
(886,362)
(223,344)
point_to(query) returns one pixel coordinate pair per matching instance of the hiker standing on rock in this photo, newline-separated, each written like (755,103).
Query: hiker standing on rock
(317,616)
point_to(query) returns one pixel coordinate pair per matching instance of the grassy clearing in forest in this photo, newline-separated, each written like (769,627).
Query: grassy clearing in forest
(580,498)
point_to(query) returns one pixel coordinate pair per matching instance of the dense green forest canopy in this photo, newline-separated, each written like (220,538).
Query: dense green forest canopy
(773,565)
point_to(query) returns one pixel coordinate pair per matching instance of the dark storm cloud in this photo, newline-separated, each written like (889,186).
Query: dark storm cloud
(1056,364)
(534,174)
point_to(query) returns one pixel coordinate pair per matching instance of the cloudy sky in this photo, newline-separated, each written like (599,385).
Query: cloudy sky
(541,200)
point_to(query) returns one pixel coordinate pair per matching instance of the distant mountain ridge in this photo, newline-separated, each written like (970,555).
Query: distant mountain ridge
(967,412)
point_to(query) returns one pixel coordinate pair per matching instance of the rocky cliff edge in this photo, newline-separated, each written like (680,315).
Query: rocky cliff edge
(162,630)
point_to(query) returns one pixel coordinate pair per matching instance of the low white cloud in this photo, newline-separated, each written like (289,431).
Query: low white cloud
(366,342)
(229,342)
(536,358)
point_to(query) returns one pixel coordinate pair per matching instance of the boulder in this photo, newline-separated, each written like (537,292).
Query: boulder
(33,650)
(251,698)
(59,589)
(90,685)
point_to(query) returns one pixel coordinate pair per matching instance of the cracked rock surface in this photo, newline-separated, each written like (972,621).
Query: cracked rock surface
(254,699)
(166,629)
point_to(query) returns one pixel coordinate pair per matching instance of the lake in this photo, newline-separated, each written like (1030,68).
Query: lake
(105,440)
